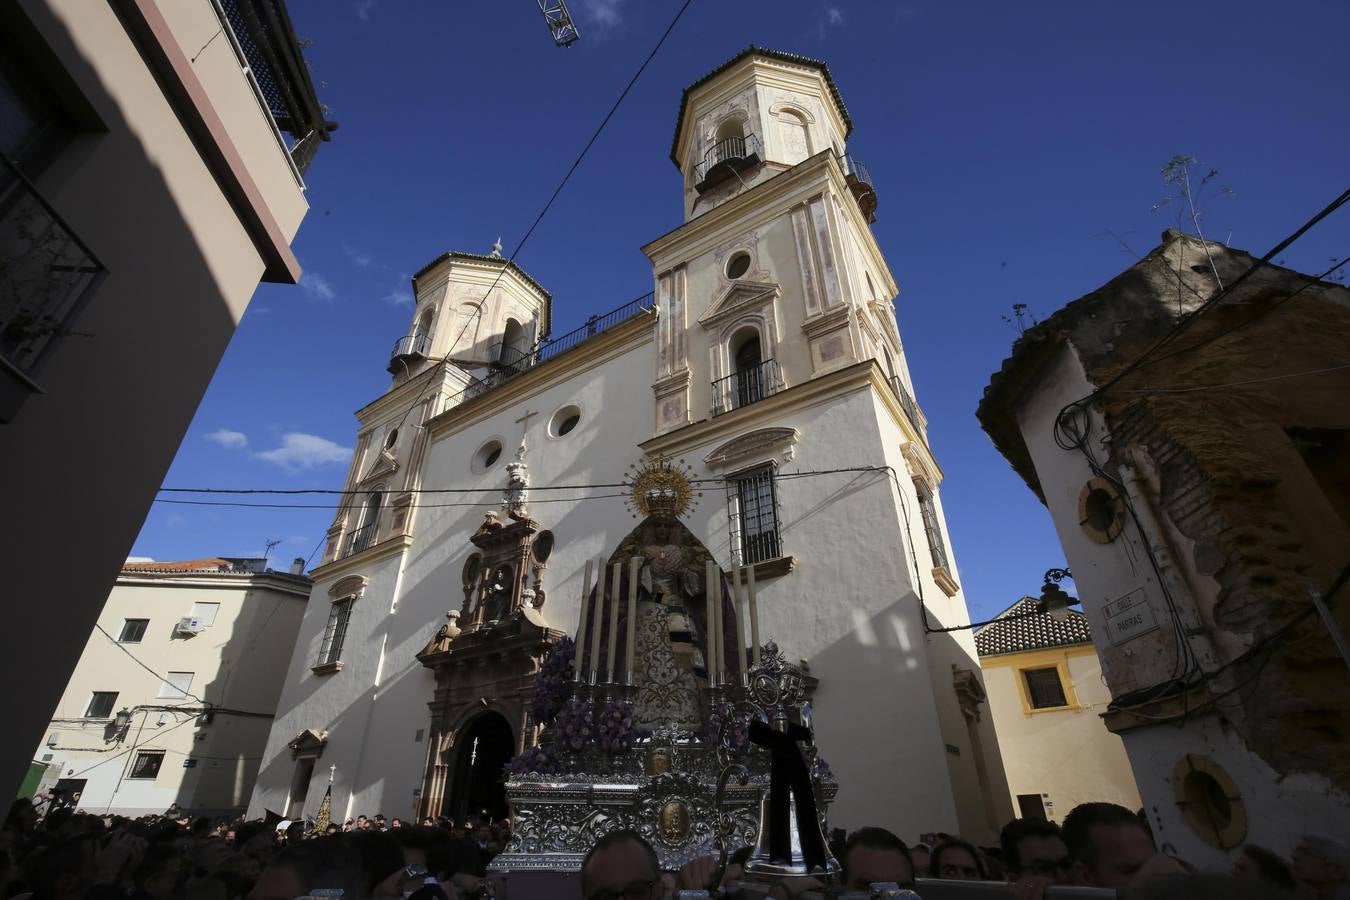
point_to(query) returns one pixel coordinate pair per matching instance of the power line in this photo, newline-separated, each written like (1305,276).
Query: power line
(547,206)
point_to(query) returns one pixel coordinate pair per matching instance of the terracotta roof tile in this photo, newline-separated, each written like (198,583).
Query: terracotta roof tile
(1020,627)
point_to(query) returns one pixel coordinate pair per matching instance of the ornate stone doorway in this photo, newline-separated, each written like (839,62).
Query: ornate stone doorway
(479,786)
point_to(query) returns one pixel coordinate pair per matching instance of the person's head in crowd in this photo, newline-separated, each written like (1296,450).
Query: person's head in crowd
(63,871)
(1034,848)
(921,855)
(956,860)
(378,821)
(160,873)
(621,866)
(428,820)
(1259,864)
(332,829)
(22,816)
(875,854)
(1321,866)
(308,867)
(395,822)
(1108,844)
(362,823)
(379,856)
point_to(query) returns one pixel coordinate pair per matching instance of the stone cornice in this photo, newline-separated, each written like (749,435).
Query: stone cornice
(277,581)
(766,412)
(590,353)
(762,203)
(374,553)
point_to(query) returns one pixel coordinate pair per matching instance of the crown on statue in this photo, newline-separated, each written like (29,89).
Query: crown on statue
(660,487)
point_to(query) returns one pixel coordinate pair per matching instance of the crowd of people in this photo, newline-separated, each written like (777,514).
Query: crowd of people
(61,853)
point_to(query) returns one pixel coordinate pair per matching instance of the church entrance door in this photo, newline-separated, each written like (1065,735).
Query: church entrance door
(483,748)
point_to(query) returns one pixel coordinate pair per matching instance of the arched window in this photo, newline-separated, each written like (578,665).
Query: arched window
(424,324)
(730,128)
(368,523)
(750,383)
(513,351)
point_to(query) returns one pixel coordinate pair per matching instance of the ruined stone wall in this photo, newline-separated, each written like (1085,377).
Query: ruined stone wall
(1217,420)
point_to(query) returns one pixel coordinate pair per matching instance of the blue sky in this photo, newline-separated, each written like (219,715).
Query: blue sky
(1005,141)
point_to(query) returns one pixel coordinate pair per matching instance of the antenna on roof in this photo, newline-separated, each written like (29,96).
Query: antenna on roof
(560,23)
(270,544)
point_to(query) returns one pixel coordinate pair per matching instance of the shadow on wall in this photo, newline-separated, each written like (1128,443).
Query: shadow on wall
(135,322)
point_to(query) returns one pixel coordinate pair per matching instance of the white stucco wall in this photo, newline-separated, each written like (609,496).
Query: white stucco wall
(237,663)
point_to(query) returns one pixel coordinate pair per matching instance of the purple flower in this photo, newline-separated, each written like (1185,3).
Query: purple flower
(538,760)
(615,728)
(573,729)
(553,682)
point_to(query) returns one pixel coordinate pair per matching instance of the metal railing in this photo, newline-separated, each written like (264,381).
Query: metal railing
(752,513)
(726,150)
(513,362)
(745,387)
(415,344)
(853,166)
(360,539)
(907,404)
(46,272)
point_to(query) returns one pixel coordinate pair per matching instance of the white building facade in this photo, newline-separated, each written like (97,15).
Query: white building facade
(173,697)
(769,360)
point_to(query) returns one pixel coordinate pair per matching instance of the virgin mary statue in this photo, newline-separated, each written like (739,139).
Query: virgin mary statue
(669,669)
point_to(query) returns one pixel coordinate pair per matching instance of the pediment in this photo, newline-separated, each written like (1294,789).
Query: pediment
(310,742)
(385,462)
(741,297)
(348,586)
(751,446)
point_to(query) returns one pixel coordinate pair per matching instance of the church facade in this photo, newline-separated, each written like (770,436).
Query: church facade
(767,360)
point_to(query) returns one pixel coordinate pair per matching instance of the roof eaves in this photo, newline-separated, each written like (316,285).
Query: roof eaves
(482,257)
(752,50)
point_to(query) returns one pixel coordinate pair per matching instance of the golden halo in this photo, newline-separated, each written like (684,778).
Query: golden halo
(660,487)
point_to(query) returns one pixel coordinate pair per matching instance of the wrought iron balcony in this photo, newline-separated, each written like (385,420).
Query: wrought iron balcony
(745,387)
(516,361)
(46,274)
(360,539)
(860,185)
(414,346)
(724,159)
(908,405)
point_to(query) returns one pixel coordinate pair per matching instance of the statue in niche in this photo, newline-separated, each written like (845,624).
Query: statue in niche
(669,669)
(496,595)
(517,486)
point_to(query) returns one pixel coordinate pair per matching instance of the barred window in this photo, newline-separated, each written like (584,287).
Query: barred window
(932,528)
(1044,689)
(335,633)
(147,764)
(752,500)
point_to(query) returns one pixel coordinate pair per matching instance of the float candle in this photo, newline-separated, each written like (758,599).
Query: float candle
(630,639)
(611,658)
(581,626)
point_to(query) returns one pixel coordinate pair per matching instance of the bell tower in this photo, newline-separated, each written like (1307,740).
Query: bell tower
(478,311)
(757,115)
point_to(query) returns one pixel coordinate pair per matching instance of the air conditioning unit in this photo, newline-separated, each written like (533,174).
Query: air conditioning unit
(189,625)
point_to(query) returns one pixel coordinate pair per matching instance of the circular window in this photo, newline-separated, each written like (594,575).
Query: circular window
(1101,512)
(542,548)
(487,455)
(391,439)
(564,420)
(738,265)
(1209,801)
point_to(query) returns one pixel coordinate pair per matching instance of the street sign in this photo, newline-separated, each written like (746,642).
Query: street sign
(1128,617)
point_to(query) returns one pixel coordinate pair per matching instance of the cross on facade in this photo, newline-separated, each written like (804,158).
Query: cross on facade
(524,423)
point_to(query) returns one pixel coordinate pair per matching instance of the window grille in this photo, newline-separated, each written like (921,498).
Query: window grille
(932,528)
(335,633)
(101,704)
(1044,689)
(147,764)
(752,505)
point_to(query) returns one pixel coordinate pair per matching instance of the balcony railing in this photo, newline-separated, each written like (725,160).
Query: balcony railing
(46,272)
(415,344)
(360,539)
(907,404)
(745,387)
(513,362)
(724,157)
(860,184)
